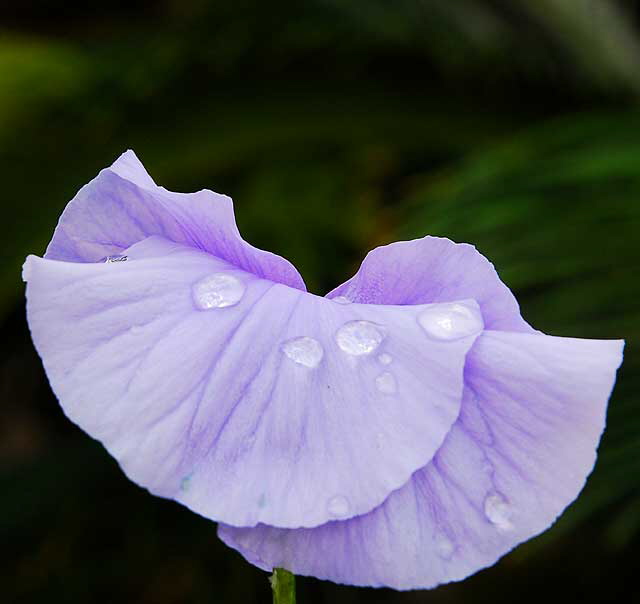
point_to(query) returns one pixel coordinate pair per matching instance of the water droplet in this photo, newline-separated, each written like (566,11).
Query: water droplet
(246,444)
(386,383)
(359,337)
(304,351)
(113,259)
(185,482)
(498,511)
(450,321)
(341,300)
(218,291)
(262,501)
(385,359)
(338,506)
(444,546)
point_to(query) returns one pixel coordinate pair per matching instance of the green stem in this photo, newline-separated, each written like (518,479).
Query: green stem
(283,584)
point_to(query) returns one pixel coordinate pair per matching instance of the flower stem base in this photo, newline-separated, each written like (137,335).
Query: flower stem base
(283,585)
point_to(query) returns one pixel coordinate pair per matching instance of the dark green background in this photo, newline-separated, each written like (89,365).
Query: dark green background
(336,125)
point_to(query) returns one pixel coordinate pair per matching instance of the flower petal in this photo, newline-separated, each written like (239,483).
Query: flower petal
(123,205)
(532,415)
(247,400)
(433,269)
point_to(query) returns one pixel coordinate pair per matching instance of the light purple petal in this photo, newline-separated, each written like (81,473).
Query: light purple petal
(123,205)
(227,409)
(433,269)
(532,415)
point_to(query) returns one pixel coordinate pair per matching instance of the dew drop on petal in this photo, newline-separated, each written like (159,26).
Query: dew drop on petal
(338,506)
(114,259)
(218,291)
(341,300)
(386,383)
(246,444)
(385,359)
(304,351)
(450,321)
(498,511)
(359,337)
(444,546)
(185,482)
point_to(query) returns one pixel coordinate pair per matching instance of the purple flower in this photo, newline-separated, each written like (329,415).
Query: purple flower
(406,430)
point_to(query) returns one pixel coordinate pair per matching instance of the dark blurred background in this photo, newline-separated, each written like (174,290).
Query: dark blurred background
(336,126)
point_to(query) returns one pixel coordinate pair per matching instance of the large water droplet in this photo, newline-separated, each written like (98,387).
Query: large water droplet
(341,300)
(218,291)
(385,359)
(338,506)
(386,383)
(304,351)
(114,259)
(444,546)
(450,321)
(359,337)
(498,511)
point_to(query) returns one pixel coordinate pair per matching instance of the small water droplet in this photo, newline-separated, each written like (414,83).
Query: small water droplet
(444,546)
(113,259)
(185,482)
(338,506)
(359,337)
(341,300)
(218,291)
(385,359)
(246,444)
(262,501)
(498,511)
(386,383)
(304,351)
(450,321)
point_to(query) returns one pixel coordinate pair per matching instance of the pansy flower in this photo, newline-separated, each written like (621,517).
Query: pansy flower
(405,430)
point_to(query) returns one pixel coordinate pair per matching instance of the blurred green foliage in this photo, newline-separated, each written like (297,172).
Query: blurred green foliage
(335,126)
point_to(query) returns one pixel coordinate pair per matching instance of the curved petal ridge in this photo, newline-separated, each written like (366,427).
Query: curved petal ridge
(123,205)
(532,415)
(244,399)
(433,269)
